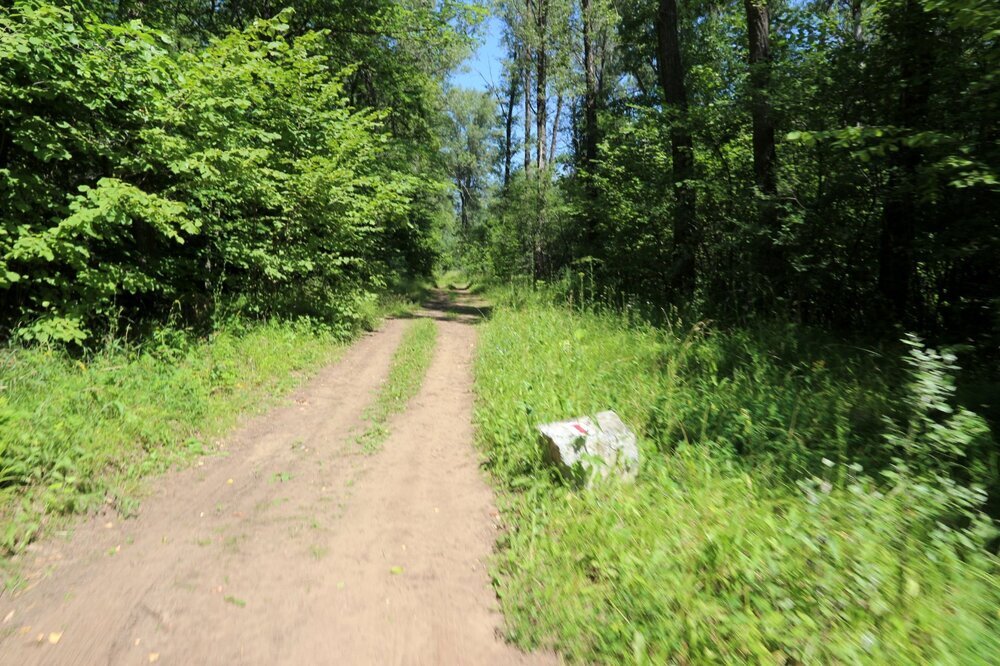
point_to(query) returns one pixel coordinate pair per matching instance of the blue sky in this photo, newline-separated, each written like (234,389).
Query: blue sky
(484,67)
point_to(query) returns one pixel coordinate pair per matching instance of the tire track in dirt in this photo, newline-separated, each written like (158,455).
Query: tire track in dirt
(295,548)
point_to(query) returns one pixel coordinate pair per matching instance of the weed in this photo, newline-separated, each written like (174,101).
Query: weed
(752,534)
(406,373)
(281,477)
(233,542)
(236,601)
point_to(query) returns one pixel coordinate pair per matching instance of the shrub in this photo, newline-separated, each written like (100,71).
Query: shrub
(136,180)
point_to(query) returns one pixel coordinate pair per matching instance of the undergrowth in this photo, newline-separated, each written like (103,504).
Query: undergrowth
(406,372)
(796,502)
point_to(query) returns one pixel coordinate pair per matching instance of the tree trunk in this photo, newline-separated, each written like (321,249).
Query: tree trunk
(526,78)
(770,263)
(590,139)
(463,202)
(541,85)
(590,91)
(508,148)
(908,28)
(764,158)
(856,25)
(671,74)
(555,130)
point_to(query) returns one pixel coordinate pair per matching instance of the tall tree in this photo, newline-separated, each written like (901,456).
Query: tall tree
(470,147)
(909,31)
(508,103)
(769,260)
(590,87)
(671,75)
(526,78)
(554,140)
(540,9)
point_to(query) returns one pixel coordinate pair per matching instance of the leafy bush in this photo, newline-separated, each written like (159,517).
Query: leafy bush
(136,180)
(789,553)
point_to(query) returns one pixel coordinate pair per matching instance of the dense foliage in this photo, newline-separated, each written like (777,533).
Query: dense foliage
(832,162)
(140,179)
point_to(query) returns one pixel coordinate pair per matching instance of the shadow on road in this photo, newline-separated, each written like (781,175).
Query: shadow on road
(453,305)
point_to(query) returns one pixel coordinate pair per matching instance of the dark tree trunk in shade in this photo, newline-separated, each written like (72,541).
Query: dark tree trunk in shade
(671,74)
(897,266)
(769,259)
(526,80)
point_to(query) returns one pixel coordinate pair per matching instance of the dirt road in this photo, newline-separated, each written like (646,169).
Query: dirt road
(294,547)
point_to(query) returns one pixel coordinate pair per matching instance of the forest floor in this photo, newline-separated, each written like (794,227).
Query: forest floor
(295,545)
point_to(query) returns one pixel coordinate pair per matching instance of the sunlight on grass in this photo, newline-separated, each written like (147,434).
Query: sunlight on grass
(409,365)
(787,552)
(78,432)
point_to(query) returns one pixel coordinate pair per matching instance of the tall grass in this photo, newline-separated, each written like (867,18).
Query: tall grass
(752,534)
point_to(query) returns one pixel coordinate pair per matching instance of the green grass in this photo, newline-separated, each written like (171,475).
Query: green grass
(737,543)
(76,433)
(452,279)
(406,373)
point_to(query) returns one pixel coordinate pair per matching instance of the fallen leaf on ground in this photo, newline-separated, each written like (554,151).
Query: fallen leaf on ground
(54,637)
(230,482)
(8,617)
(395,571)
(153,656)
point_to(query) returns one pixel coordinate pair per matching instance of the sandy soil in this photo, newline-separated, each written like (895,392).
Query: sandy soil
(294,547)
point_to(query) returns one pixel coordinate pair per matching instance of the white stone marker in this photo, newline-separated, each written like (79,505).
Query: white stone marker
(586,450)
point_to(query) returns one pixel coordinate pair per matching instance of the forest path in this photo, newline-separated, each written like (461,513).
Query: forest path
(295,547)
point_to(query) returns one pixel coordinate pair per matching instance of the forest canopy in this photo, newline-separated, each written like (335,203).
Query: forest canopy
(837,162)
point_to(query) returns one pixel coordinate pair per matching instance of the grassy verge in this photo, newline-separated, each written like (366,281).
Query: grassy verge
(752,534)
(76,433)
(406,373)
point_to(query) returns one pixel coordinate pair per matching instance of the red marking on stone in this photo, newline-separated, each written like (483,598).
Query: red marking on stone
(581,428)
